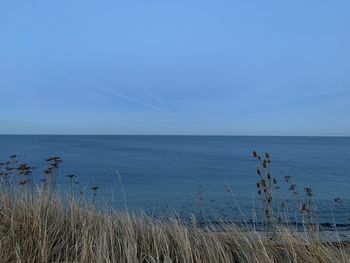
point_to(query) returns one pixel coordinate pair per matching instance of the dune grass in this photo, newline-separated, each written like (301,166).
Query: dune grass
(39,225)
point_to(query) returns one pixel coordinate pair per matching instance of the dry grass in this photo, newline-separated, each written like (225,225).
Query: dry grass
(45,230)
(39,226)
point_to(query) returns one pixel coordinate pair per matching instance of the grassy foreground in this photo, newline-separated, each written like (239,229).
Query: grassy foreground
(44,230)
(39,225)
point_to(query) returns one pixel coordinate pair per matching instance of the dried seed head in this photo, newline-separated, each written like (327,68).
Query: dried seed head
(22,167)
(338,200)
(269,200)
(304,207)
(308,191)
(258,171)
(255,155)
(267,155)
(293,187)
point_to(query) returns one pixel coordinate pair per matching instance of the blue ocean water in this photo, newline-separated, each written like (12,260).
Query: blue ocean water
(161,174)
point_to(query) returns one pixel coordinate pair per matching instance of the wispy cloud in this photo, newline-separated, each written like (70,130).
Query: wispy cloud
(160,102)
(145,87)
(109,90)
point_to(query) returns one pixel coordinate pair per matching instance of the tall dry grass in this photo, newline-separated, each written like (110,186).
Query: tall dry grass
(39,225)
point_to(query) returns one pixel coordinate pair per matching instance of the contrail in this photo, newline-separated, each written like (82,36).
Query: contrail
(120,95)
(142,84)
(160,102)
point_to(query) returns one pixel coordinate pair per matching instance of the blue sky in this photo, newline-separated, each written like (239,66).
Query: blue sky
(175,67)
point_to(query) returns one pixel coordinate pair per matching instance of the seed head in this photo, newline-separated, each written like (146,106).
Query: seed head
(338,200)
(269,200)
(287,178)
(47,171)
(22,167)
(304,207)
(293,187)
(308,191)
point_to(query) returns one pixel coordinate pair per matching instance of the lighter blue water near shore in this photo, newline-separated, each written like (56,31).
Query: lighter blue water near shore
(163,173)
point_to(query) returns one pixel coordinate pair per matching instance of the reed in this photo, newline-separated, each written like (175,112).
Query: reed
(38,224)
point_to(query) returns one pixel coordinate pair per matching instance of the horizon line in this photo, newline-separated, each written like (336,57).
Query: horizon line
(199,135)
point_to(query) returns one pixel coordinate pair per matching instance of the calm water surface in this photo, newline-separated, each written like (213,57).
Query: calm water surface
(164,173)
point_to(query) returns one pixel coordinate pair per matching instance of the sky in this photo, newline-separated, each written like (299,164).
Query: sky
(175,67)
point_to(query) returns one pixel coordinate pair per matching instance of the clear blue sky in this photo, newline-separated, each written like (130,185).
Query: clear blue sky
(175,67)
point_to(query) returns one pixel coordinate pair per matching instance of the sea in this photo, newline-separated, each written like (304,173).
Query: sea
(208,177)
